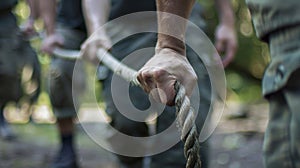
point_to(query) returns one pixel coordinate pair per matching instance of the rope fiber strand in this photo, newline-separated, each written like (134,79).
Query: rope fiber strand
(185,114)
(186,118)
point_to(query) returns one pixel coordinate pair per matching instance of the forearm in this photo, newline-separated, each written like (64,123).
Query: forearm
(48,8)
(96,13)
(172,29)
(225,12)
(34,9)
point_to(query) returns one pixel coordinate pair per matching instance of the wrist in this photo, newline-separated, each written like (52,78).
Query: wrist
(165,52)
(50,27)
(166,42)
(31,19)
(229,24)
(227,19)
(51,34)
(95,27)
(226,26)
(100,32)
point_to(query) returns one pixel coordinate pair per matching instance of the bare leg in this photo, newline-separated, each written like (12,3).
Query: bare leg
(66,157)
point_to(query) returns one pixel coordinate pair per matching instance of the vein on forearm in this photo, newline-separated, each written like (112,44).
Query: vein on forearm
(96,13)
(170,24)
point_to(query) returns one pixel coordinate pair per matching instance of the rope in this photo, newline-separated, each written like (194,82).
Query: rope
(186,120)
(184,112)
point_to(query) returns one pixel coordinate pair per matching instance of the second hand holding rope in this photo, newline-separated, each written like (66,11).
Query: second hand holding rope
(184,112)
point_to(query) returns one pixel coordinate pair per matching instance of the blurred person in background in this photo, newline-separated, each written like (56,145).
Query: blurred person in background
(278,24)
(65,28)
(15,54)
(97,14)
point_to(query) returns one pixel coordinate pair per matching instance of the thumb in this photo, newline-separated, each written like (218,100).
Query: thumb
(220,45)
(60,41)
(106,45)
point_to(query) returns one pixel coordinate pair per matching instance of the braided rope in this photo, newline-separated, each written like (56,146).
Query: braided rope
(184,112)
(186,120)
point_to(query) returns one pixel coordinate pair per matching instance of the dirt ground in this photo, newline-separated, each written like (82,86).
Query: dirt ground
(236,143)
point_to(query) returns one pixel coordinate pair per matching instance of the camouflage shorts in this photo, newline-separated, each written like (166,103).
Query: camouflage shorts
(61,76)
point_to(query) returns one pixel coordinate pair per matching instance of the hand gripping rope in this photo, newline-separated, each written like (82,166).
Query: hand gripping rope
(184,112)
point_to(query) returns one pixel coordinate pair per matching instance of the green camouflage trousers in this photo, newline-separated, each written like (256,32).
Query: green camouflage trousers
(277,23)
(282,89)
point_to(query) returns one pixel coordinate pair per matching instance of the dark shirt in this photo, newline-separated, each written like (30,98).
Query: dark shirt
(8,22)
(70,11)
(6,5)
(70,14)
(123,7)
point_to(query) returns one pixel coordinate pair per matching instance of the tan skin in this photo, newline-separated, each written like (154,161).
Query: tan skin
(48,14)
(169,63)
(94,19)
(52,40)
(225,38)
(168,50)
(28,27)
(225,35)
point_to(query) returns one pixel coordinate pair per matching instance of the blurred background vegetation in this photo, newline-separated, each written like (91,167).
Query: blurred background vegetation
(243,75)
(243,84)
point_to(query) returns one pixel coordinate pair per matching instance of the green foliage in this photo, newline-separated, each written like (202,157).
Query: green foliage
(22,12)
(245,73)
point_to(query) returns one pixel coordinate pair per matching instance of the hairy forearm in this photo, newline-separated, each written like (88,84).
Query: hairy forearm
(96,13)
(47,10)
(172,29)
(225,11)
